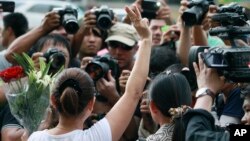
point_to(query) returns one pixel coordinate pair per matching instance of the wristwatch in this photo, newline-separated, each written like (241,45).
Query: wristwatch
(204,91)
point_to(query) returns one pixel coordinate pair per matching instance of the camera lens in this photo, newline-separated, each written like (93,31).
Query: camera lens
(97,70)
(104,21)
(70,23)
(192,16)
(58,60)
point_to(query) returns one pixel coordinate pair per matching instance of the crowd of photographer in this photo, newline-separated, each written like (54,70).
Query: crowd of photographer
(148,77)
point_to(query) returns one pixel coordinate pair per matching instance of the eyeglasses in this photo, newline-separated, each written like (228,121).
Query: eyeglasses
(115,44)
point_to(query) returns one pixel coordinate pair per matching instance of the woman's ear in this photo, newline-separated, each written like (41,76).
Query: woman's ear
(153,107)
(91,104)
(53,101)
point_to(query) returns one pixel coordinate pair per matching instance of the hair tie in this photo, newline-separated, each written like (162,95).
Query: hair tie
(70,83)
(179,111)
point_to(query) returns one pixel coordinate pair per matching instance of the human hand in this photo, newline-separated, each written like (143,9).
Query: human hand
(89,19)
(137,4)
(85,61)
(141,25)
(51,21)
(107,88)
(164,12)
(183,7)
(208,77)
(36,59)
(207,23)
(173,33)
(25,135)
(144,106)
(123,79)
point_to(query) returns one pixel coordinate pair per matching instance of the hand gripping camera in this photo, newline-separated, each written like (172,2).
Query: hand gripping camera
(196,12)
(57,57)
(100,66)
(104,17)
(68,19)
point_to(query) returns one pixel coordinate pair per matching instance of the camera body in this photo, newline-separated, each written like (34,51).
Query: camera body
(56,57)
(104,17)
(68,19)
(233,63)
(232,14)
(100,66)
(196,12)
(149,8)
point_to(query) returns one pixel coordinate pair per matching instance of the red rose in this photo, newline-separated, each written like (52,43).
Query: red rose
(12,73)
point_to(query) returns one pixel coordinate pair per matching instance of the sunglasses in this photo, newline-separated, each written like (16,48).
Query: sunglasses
(115,44)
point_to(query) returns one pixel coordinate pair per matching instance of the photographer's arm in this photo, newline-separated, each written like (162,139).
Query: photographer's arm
(25,42)
(88,22)
(185,37)
(207,78)
(199,36)
(120,115)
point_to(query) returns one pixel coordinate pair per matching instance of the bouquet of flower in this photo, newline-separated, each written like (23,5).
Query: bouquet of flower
(27,90)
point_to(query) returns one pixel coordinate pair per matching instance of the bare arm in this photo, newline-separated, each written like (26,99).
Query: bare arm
(207,78)
(123,110)
(199,36)
(185,37)
(25,42)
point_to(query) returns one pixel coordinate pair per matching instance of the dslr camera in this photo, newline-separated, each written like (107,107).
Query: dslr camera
(100,66)
(104,17)
(149,8)
(68,19)
(196,12)
(56,57)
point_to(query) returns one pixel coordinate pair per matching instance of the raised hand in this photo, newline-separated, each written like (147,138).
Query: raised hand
(208,77)
(141,25)
(51,21)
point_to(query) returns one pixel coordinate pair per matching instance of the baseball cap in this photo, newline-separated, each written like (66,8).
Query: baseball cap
(123,33)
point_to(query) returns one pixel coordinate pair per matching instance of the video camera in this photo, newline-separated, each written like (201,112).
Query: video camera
(233,63)
(100,66)
(68,19)
(57,57)
(104,17)
(149,8)
(196,12)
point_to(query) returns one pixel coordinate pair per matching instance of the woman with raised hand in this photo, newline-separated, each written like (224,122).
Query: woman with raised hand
(73,97)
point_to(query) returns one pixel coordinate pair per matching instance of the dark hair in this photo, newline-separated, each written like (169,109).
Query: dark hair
(171,91)
(73,89)
(161,58)
(245,92)
(17,21)
(55,38)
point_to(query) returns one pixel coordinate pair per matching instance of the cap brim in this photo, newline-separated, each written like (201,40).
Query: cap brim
(121,39)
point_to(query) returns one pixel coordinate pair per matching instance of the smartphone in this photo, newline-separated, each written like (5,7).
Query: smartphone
(7,6)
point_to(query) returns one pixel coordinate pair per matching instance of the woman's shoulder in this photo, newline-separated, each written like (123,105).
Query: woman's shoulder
(164,133)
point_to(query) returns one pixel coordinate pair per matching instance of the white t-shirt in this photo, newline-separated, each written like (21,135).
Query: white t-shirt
(98,132)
